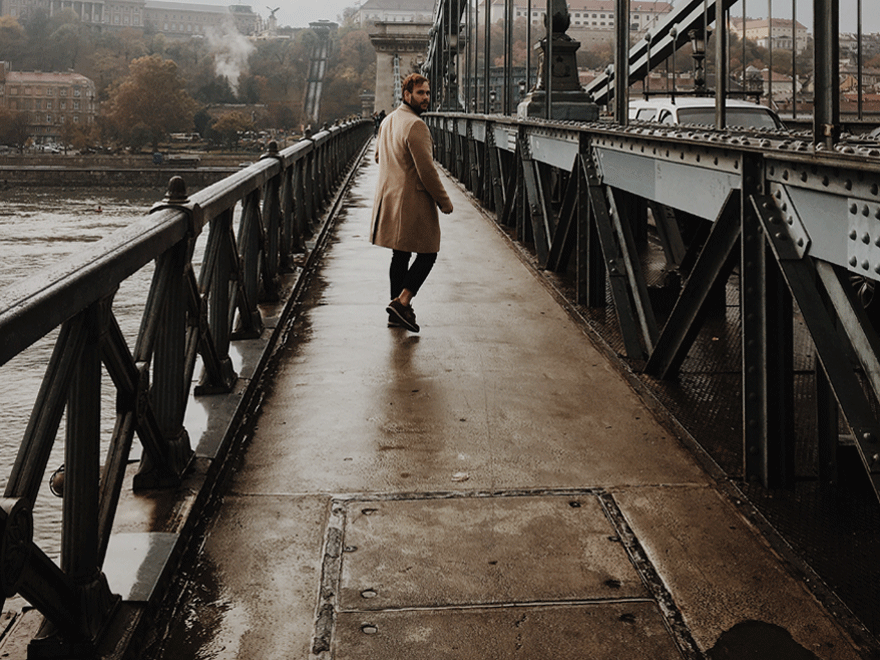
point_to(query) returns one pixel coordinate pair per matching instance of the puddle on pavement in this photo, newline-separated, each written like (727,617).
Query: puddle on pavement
(757,640)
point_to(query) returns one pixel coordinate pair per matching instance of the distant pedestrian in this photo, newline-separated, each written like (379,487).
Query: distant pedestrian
(407,196)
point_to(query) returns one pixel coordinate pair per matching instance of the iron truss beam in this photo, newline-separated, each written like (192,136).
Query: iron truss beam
(796,221)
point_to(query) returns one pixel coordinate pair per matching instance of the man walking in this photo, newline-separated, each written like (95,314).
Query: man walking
(407,196)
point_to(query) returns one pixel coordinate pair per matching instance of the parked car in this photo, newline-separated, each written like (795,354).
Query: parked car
(701,110)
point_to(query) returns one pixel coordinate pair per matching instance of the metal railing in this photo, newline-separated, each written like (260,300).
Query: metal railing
(191,314)
(461,50)
(794,222)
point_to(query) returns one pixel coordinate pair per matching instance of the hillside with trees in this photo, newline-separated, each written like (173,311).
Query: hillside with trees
(149,86)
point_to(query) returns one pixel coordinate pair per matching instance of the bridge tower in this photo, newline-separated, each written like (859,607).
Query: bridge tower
(400,50)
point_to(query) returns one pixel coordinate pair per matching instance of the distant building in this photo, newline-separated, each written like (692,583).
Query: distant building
(184,19)
(173,19)
(396,11)
(51,100)
(589,15)
(758,30)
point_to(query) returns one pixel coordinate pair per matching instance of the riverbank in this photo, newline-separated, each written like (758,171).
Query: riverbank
(101,170)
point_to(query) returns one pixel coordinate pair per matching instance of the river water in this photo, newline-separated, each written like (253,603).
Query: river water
(37,228)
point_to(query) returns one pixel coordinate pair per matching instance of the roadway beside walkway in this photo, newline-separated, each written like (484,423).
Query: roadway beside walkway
(488,488)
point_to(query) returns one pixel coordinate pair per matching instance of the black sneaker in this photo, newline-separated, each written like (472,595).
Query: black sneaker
(394,322)
(405,315)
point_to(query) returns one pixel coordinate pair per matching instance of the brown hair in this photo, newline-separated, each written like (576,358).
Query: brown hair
(412,81)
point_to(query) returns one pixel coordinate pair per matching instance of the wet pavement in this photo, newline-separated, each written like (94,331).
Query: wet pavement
(488,488)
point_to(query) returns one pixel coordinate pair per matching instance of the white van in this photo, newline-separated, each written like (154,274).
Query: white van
(701,110)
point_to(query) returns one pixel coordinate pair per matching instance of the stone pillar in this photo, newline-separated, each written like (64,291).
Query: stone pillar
(568,99)
(409,42)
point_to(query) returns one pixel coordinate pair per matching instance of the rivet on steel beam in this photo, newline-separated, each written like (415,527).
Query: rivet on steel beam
(853,235)
(848,185)
(867,436)
(866,211)
(825,181)
(790,221)
(866,238)
(877,269)
(56,482)
(853,261)
(800,242)
(875,189)
(853,208)
(804,177)
(369,593)
(780,236)
(369,629)
(866,264)
(778,194)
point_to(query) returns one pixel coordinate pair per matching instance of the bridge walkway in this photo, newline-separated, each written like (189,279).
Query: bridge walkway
(488,488)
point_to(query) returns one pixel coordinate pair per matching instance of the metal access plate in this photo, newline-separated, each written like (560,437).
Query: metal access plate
(481,550)
(609,631)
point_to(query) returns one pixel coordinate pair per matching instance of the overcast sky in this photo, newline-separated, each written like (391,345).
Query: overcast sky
(804,10)
(299,13)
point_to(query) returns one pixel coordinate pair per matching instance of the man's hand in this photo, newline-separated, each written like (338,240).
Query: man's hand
(446,210)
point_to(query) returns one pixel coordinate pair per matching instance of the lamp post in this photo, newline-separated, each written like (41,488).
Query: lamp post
(698,43)
(522,89)
(492,97)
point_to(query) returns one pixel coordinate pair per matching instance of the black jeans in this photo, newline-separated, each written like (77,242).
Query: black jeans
(404,276)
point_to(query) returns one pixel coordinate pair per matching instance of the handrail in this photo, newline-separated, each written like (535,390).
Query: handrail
(190,314)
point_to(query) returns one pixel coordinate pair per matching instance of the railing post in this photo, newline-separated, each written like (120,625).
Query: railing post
(169,392)
(290,239)
(217,273)
(272,225)
(721,65)
(621,63)
(79,522)
(766,312)
(249,230)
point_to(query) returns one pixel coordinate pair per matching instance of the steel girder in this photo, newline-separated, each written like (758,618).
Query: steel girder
(796,222)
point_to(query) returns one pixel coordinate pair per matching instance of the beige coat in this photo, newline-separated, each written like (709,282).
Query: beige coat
(409,189)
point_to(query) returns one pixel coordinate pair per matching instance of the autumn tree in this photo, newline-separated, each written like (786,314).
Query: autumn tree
(352,70)
(12,38)
(230,125)
(14,128)
(151,101)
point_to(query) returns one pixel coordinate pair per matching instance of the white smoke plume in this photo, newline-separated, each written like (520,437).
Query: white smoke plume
(230,49)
